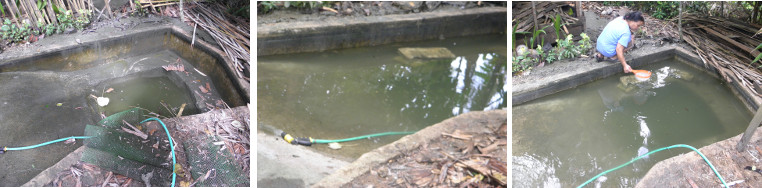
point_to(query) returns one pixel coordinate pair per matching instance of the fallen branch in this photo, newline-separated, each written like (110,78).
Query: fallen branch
(483,169)
(134,131)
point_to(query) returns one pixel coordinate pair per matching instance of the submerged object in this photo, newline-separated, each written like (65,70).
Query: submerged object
(426,53)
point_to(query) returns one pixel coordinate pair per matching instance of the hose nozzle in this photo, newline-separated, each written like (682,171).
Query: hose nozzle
(305,141)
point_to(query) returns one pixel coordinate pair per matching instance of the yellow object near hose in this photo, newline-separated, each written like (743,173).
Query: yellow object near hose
(288,138)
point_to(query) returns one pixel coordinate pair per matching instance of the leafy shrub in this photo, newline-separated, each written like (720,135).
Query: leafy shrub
(566,48)
(585,44)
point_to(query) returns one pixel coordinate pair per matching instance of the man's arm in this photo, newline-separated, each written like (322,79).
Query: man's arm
(620,56)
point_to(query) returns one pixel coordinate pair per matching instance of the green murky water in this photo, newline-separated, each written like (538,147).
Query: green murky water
(353,92)
(564,139)
(157,94)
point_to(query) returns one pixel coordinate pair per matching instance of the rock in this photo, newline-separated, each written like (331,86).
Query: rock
(426,53)
(70,30)
(607,11)
(431,5)
(521,49)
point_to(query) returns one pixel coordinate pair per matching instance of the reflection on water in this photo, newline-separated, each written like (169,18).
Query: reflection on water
(564,139)
(340,94)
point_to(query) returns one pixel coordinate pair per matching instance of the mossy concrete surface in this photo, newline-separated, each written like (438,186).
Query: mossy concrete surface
(316,36)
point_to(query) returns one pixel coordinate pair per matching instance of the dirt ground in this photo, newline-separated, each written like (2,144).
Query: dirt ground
(366,9)
(655,33)
(473,155)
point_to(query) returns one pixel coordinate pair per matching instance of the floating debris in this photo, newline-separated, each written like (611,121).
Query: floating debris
(334,145)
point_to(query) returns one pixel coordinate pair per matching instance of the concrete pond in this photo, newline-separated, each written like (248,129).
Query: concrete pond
(53,88)
(331,80)
(576,118)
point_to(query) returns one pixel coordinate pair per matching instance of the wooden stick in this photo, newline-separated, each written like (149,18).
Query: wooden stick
(134,131)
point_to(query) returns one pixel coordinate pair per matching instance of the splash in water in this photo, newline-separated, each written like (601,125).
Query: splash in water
(644,131)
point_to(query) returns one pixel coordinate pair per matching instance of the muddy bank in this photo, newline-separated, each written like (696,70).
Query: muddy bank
(365,170)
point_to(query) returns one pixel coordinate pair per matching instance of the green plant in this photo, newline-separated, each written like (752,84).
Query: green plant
(303,4)
(585,44)
(82,20)
(521,63)
(139,11)
(13,33)
(513,34)
(557,26)
(267,7)
(758,56)
(64,21)
(548,57)
(566,48)
(537,34)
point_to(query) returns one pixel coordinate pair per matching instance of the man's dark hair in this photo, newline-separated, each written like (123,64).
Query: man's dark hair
(634,16)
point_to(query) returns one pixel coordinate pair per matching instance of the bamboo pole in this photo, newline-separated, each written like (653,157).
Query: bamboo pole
(749,131)
(534,13)
(29,12)
(680,21)
(36,12)
(51,13)
(13,14)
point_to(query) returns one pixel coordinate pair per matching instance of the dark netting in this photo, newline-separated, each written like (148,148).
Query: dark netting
(114,149)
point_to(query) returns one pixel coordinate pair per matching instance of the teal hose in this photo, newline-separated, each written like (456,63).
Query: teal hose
(46,143)
(320,141)
(654,151)
(171,146)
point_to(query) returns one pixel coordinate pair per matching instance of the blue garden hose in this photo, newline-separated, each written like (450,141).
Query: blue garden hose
(654,151)
(4,149)
(171,146)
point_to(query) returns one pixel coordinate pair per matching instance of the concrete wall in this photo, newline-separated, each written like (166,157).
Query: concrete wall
(285,38)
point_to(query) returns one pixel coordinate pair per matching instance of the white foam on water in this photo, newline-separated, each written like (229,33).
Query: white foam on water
(642,151)
(644,131)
